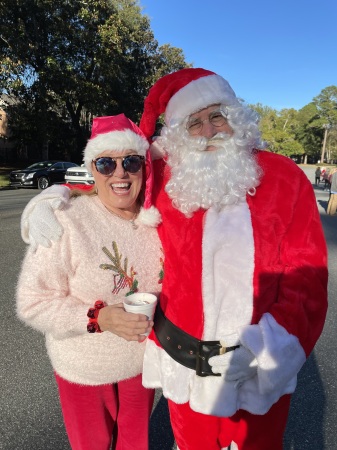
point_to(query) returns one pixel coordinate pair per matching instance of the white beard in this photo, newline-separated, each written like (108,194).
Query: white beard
(201,179)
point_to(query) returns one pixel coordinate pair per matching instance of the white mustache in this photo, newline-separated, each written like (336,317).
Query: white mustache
(215,141)
(218,139)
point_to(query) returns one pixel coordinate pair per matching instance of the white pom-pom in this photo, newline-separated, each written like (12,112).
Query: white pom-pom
(150,217)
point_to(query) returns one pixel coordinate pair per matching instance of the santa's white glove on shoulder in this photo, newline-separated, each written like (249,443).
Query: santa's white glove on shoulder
(39,225)
(237,365)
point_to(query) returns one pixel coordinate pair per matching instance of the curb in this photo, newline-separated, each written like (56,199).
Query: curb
(7,188)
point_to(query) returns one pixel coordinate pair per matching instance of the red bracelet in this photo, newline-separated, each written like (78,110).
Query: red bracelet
(92,313)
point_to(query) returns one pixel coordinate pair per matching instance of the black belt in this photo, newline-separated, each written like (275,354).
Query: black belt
(186,349)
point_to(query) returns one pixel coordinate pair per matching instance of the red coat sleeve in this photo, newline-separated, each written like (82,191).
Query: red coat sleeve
(291,273)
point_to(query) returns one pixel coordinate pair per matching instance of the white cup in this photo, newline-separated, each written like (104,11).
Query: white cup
(141,303)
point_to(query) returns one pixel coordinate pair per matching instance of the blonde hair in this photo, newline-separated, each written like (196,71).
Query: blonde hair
(77,192)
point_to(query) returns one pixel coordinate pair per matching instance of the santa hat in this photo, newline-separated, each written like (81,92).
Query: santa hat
(118,133)
(183,93)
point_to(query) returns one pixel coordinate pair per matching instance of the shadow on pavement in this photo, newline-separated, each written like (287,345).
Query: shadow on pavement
(161,436)
(307,411)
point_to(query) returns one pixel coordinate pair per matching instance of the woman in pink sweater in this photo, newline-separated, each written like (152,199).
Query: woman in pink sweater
(73,292)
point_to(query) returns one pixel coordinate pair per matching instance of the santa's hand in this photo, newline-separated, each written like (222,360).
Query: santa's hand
(238,365)
(220,363)
(39,225)
(43,226)
(242,366)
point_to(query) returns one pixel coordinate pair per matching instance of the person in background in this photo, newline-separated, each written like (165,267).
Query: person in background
(244,297)
(323,170)
(326,178)
(73,291)
(317,175)
(332,204)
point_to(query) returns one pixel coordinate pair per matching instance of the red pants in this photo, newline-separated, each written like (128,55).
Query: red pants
(195,431)
(91,414)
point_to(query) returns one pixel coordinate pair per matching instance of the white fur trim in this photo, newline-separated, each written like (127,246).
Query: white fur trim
(233,257)
(207,395)
(161,371)
(199,94)
(150,217)
(228,267)
(114,141)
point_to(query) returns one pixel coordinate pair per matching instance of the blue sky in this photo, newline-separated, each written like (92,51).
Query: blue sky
(277,53)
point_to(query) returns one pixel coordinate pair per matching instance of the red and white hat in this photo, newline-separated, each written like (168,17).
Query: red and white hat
(118,133)
(183,93)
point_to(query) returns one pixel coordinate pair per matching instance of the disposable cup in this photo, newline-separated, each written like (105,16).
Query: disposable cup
(141,303)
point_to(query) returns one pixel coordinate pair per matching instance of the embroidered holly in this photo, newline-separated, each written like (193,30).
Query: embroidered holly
(121,278)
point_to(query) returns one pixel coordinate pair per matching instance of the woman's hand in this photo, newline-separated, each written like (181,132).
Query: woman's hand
(129,326)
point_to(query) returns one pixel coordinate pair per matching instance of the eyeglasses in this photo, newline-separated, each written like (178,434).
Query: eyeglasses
(216,118)
(106,165)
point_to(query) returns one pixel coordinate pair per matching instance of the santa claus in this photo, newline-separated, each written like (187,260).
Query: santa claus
(245,268)
(244,295)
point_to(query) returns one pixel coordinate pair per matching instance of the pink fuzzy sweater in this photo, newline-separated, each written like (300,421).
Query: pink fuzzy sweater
(99,256)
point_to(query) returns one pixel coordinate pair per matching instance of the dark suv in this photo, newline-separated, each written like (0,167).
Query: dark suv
(41,174)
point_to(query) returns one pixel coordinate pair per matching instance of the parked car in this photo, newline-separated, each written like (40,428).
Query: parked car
(79,175)
(41,174)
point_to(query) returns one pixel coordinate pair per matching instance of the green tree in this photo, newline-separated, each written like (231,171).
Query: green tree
(326,104)
(278,129)
(309,130)
(168,59)
(331,145)
(71,60)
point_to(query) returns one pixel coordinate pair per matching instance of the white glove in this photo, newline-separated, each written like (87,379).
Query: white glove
(39,225)
(238,365)
(220,363)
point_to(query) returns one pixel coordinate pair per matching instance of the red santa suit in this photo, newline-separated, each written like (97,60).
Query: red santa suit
(257,269)
(253,274)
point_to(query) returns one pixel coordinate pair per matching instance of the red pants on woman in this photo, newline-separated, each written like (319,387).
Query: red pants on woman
(195,431)
(93,414)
